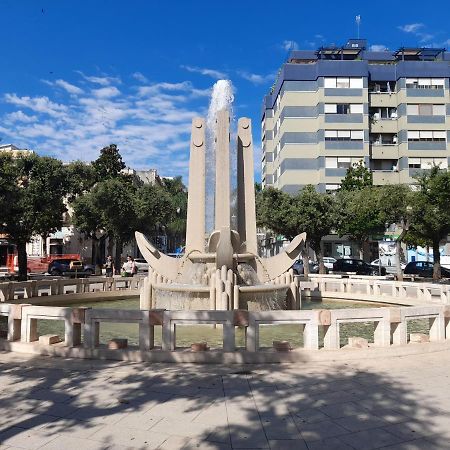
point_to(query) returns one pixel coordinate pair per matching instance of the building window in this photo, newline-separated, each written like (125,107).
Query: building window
(344,108)
(432,136)
(379,87)
(383,139)
(331,189)
(427,163)
(340,162)
(425,109)
(425,83)
(343,82)
(344,135)
(384,113)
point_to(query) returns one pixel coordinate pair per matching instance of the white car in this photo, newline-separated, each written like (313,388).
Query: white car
(141,264)
(328,262)
(376,263)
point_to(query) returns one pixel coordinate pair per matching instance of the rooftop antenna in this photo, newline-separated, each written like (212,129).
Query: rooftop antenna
(358,21)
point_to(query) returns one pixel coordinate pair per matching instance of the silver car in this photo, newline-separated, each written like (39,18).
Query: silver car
(141,264)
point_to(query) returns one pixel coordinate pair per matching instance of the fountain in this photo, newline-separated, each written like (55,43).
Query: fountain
(221,269)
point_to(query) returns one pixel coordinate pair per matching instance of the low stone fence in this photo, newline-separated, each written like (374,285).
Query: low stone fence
(375,290)
(317,328)
(17,290)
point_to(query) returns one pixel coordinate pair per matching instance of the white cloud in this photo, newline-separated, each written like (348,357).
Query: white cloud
(150,124)
(103,80)
(70,88)
(216,74)
(106,92)
(377,48)
(20,116)
(38,104)
(256,78)
(289,45)
(140,77)
(411,28)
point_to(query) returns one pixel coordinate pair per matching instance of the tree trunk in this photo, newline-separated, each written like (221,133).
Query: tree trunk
(398,250)
(437,261)
(22,261)
(361,250)
(44,246)
(110,246)
(118,257)
(94,250)
(319,255)
(305,258)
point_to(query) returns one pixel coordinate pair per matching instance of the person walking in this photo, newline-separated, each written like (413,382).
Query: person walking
(109,266)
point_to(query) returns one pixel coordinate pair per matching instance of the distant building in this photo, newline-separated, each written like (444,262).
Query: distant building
(336,106)
(14,151)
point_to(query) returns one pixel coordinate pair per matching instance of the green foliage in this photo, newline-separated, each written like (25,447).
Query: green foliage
(394,203)
(81,178)
(176,222)
(359,216)
(430,213)
(358,176)
(313,213)
(273,208)
(154,206)
(109,164)
(32,192)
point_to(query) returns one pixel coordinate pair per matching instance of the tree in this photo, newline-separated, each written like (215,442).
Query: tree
(36,200)
(430,215)
(358,176)
(109,164)
(359,215)
(109,209)
(314,213)
(81,177)
(273,207)
(176,222)
(394,204)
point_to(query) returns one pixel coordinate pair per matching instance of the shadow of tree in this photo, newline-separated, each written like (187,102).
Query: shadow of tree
(57,403)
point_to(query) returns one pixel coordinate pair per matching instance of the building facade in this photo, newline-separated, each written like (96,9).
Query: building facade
(336,106)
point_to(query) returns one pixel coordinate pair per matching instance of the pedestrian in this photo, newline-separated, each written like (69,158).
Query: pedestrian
(109,266)
(129,267)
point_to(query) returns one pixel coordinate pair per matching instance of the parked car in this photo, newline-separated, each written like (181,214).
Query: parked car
(300,270)
(141,264)
(328,262)
(69,267)
(376,263)
(357,266)
(424,269)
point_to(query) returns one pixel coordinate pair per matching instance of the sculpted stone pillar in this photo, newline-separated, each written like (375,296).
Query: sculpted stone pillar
(195,225)
(246,187)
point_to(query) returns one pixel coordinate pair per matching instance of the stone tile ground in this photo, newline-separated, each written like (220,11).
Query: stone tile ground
(391,403)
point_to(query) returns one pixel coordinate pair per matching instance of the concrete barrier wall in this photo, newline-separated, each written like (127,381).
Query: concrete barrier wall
(390,324)
(14,290)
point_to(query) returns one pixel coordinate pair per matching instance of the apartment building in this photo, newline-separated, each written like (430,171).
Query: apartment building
(335,106)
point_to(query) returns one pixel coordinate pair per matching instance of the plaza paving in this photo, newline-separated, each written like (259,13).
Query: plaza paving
(394,403)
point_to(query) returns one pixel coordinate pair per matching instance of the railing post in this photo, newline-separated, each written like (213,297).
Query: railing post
(398,327)
(331,331)
(252,339)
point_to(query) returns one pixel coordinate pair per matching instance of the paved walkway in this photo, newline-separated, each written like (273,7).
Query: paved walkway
(396,403)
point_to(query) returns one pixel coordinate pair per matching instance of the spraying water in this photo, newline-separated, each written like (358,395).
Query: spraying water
(221,98)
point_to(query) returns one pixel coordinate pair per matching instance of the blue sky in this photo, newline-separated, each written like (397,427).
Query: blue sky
(78,75)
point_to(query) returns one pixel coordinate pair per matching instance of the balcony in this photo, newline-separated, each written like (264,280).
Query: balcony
(382,99)
(383,126)
(381,177)
(387,151)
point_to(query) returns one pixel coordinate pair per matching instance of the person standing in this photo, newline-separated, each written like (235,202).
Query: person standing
(129,267)
(109,266)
